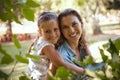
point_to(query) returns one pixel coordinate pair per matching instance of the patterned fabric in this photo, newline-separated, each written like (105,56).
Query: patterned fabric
(38,69)
(68,54)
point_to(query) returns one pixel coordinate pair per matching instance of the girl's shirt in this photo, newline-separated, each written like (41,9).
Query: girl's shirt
(38,69)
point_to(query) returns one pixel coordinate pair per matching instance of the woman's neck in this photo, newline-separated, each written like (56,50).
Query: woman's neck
(74,47)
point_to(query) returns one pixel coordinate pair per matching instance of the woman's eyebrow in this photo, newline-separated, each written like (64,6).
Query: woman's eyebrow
(74,22)
(64,25)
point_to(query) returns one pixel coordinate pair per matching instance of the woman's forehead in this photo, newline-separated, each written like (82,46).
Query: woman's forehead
(69,19)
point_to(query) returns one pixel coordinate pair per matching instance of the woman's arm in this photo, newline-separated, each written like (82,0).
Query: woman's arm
(58,61)
(87,51)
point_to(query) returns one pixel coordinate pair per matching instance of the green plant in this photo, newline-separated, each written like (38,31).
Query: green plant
(8,59)
(109,69)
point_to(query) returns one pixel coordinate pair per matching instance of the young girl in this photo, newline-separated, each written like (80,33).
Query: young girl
(44,47)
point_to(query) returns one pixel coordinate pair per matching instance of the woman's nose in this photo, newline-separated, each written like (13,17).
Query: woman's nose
(71,29)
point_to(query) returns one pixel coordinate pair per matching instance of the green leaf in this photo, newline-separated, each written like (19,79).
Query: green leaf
(115,58)
(23,78)
(88,60)
(104,57)
(5,16)
(37,58)
(8,5)
(115,65)
(3,75)
(15,18)
(16,42)
(63,73)
(6,59)
(117,43)
(28,14)
(80,63)
(21,59)
(2,50)
(112,49)
(32,3)
(50,75)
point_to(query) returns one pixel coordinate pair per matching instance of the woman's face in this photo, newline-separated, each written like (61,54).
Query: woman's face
(50,31)
(71,28)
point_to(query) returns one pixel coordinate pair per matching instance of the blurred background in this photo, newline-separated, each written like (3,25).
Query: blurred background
(101,20)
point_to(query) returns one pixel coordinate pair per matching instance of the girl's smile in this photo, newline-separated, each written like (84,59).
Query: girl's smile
(50,31)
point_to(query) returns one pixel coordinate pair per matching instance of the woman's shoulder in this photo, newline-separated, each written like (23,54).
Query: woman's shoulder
(61,46)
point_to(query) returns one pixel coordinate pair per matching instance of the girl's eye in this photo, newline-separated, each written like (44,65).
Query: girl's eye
(56,29)
(47,31)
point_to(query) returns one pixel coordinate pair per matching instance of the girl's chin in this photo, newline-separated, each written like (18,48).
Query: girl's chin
(55,42)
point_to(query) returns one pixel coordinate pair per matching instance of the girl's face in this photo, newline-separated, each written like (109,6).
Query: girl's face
(50,31)
(71,28)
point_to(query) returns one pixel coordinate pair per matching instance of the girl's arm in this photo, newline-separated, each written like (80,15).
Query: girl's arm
(58,61)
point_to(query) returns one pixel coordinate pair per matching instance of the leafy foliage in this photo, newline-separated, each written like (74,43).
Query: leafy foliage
(109,69)
(15,9)
(7,59)
(62,74)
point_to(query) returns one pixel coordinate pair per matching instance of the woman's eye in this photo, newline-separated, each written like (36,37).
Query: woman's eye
(64,27)
(74,24)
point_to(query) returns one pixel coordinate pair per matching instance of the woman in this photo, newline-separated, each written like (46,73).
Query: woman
(73,45)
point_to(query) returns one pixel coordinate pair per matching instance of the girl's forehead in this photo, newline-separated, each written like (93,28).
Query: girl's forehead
(53,21)
(49,23)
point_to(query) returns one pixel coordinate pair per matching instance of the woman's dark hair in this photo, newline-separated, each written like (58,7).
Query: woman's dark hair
(66,12)
(43,17)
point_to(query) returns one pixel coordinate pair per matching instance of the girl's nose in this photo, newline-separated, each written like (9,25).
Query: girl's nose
(53,34)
